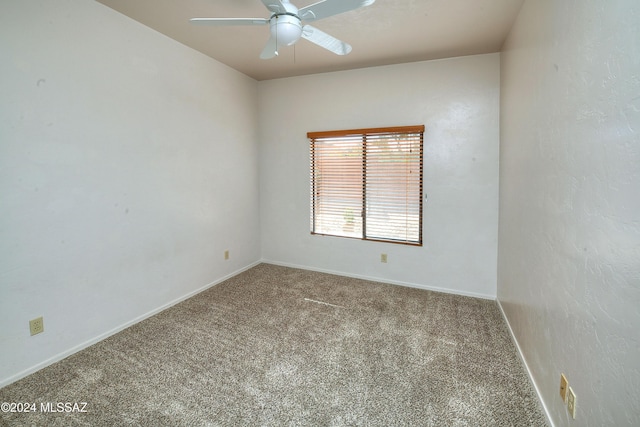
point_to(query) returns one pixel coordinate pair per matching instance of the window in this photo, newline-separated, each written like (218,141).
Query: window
(367,184)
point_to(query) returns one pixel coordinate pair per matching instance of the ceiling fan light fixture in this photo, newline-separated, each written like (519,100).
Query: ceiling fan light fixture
(286,29)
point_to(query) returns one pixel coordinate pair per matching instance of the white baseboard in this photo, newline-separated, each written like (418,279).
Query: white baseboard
(526,366)
(377,279)
(6,381)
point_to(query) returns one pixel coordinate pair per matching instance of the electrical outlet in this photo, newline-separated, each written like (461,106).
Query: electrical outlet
(571,403)
(383,257)
(226,254)
(36,326)
(564,384)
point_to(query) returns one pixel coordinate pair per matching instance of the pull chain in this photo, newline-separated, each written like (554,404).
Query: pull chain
(276,35)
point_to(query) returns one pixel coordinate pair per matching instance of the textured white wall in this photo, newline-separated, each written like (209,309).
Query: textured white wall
(458,102)
(569,239)
(128,164)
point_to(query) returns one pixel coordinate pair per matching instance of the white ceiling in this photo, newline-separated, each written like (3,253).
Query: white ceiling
(387,32)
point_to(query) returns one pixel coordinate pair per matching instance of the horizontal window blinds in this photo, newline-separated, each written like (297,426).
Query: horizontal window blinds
(367,183)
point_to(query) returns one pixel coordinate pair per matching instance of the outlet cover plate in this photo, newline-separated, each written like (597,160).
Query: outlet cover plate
(571,403)
(564,384)
(36,326)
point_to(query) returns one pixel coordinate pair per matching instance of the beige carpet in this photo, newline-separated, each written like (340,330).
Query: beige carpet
(276,346)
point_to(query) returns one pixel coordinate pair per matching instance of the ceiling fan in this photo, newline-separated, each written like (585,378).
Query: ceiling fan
(286,24)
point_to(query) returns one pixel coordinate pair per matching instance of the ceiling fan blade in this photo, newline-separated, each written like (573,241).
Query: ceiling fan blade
(326,41)
(270,50)
(229,21)
(326,8)
(274,6)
